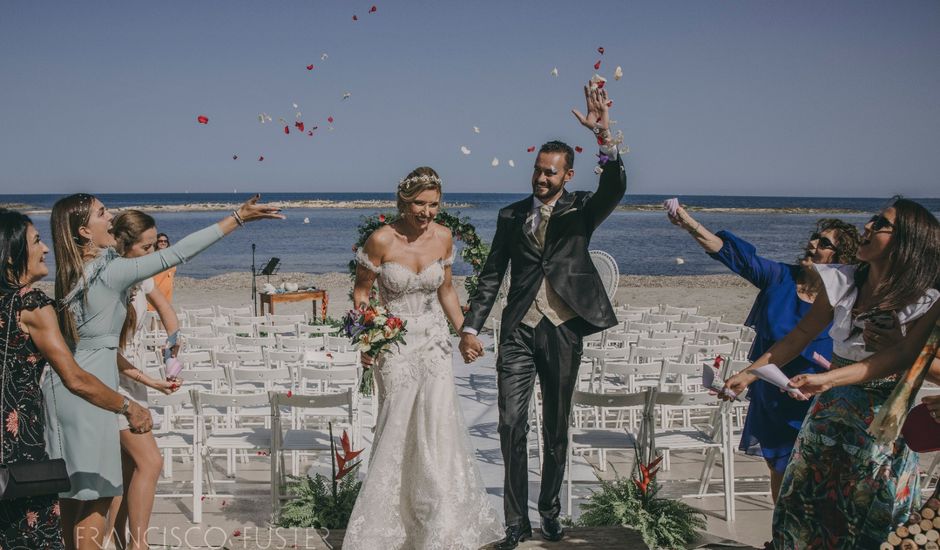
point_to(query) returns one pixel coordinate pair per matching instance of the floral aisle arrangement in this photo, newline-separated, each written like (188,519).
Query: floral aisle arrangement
(633,502)
(320,502)
(372,331)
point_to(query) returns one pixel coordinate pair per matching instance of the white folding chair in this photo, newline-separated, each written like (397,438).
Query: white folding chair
(229,439)
(247,343)
(207,343)
(175,432)
(692,352)
(292,437)
(287,319)
(599,438)
(667,309)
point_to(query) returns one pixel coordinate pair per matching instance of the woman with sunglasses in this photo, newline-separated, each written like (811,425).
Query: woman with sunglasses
(163,281)
(786,295)
(841,489)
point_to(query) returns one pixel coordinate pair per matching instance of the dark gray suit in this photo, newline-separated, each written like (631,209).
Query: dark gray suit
(553,353)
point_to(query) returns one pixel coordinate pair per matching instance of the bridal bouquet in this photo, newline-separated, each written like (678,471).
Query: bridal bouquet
(373,330)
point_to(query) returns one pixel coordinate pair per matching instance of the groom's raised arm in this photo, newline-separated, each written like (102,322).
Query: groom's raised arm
(610,190)
(491,277)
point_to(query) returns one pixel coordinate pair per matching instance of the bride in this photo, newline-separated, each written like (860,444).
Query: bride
(423,489)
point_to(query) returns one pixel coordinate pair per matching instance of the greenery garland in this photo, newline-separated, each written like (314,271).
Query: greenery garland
(474,251)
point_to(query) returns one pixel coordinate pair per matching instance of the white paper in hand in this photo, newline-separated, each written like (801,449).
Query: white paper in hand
(671,206)
(771,373)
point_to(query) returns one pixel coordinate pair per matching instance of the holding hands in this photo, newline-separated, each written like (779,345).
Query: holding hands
(471,348)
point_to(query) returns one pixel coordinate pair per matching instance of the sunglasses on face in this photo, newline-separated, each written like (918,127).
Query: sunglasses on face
(879,222)
(823,242)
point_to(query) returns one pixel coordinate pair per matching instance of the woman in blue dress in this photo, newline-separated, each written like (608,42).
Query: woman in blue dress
(92,286)
(786,295)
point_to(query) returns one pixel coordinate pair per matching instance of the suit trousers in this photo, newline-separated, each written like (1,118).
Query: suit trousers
(553,354)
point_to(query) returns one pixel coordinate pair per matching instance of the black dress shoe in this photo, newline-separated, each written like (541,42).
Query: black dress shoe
(552,529)
(514,535)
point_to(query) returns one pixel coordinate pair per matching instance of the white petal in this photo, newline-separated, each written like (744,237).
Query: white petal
(555,71)
(298,114)
(261,118)
(476,129)
(347,95)
(295,105)
(512,163)
(464,150)
(495,162)
(597,79)
(618,73)
(323,57)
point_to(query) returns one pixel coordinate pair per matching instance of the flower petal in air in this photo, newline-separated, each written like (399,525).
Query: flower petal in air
(202,119)
(618,73)
(579,149)
(299,125)
(464,149)
(512,163)
(530,150)
(495,162)
(555,71)
(309,67)
(600,50)
(597,65)
(329,119)
(373,9)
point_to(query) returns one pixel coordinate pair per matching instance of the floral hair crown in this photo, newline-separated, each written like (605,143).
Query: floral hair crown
(408,182)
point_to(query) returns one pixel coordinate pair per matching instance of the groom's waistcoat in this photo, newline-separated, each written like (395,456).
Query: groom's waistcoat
(558,280)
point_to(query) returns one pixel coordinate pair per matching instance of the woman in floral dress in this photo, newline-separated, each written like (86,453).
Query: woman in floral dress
(29,335)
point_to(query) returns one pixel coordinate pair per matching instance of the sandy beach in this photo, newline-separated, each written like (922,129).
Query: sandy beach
(726,295)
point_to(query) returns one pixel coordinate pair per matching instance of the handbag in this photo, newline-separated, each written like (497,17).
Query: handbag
(28,479)
(921,432)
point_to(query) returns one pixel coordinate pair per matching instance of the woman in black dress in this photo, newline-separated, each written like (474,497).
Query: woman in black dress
(29,338)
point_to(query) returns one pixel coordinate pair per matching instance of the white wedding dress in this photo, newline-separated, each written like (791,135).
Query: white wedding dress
(423,489)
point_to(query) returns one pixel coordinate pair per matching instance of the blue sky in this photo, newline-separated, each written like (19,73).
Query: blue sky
(835,98)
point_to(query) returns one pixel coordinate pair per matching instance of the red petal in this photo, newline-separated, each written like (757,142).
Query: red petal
(597,65)
(309,132)
(600,50)
(260,158)
(609,103)
(355,18)
(290,393)
(236,533)
(373,9)
(299,126)
(578,148)
(600,85)
(530,149)
(329,119)
(340,461)
(353,454)
(287,129)
(309,67)
(202,119)
(656,462)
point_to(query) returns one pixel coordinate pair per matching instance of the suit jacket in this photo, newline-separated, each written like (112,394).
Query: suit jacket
(564,259)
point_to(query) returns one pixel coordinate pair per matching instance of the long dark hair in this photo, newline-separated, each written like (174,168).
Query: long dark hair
(68,215)
(913,258)
(14,250)
(127,227)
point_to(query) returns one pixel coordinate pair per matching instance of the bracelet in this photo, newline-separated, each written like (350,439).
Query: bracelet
(238,219)
(124,406)
(140,374)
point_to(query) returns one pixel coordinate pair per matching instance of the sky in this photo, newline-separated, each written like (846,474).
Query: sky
(732,97)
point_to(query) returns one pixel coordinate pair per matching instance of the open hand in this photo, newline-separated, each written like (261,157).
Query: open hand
(598,113)
(250,210)
(166,387)
(811,384)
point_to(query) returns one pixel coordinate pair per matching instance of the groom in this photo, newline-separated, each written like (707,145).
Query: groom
(556,297)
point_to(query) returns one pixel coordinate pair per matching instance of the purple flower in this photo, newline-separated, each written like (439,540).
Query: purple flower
(602,158)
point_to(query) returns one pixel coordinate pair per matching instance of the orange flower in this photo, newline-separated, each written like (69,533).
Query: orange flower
(13,423)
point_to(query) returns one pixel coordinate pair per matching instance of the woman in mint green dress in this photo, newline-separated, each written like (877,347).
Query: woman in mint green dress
(92,285)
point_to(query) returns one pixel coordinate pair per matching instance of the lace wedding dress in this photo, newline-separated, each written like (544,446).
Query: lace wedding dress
(423,489)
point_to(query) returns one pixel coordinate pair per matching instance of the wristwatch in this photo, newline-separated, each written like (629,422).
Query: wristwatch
(124,406)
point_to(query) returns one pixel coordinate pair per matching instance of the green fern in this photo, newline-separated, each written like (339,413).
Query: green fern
(663,523)
(314,505)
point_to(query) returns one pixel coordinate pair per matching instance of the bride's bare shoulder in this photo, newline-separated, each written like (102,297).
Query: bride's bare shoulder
(442,233)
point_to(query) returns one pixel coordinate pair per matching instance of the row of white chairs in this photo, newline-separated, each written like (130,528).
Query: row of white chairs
(222,424)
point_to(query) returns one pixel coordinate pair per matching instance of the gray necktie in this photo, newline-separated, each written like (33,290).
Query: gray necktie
(545,212)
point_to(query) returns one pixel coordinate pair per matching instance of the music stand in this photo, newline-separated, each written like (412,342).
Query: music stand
(269,269)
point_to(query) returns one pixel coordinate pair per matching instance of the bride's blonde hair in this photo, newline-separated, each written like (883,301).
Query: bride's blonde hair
(416,182)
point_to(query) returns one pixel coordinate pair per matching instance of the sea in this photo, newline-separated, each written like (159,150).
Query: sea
(638,235)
